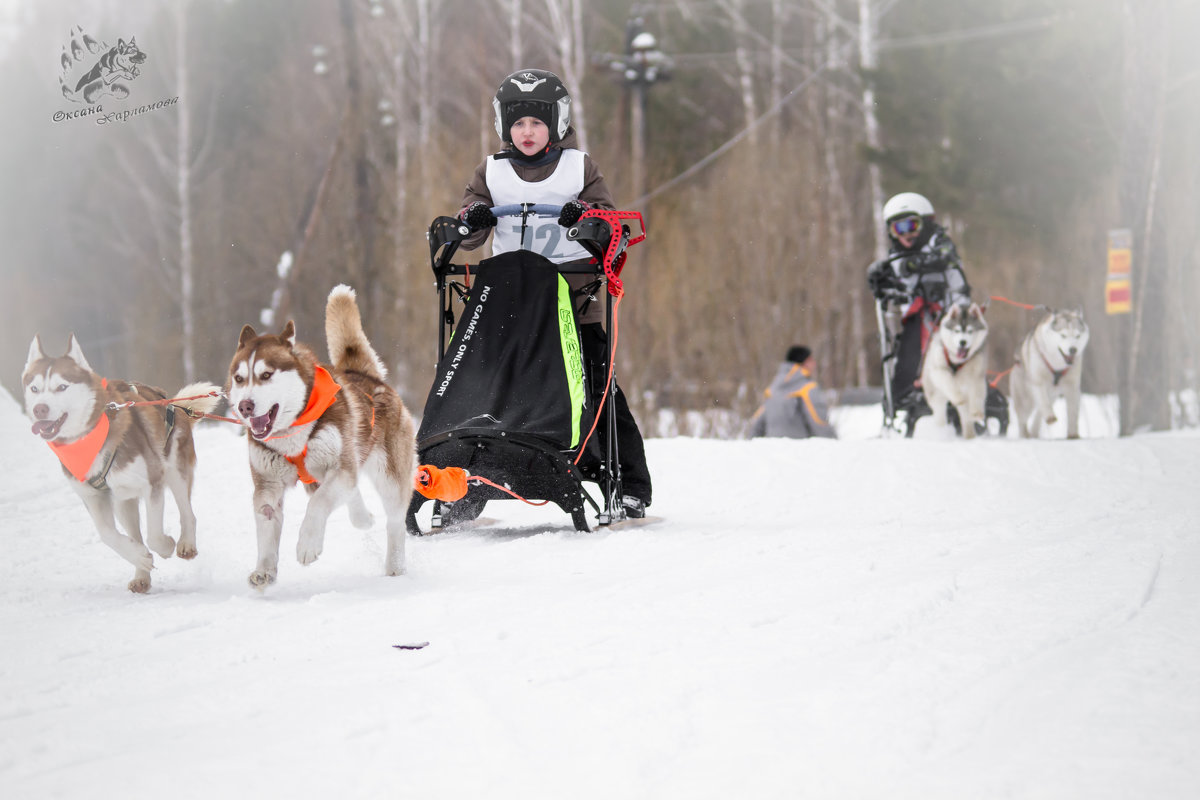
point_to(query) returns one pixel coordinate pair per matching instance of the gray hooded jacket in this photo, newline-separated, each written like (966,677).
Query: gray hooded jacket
(793,407)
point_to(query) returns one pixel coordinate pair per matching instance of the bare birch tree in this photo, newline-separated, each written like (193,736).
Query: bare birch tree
(743,46)
(868,61)
(566,29)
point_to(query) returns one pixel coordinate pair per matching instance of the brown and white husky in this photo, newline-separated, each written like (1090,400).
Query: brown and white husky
(115,458)
(322,425)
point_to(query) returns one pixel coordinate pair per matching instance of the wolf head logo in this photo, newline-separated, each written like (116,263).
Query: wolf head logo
(527,82)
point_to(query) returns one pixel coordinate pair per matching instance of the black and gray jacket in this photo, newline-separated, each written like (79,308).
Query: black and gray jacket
(793,407)
(931,270)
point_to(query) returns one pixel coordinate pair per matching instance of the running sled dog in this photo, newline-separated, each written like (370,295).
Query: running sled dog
(116,458)
(1049,366)
(955,368)
(321,425)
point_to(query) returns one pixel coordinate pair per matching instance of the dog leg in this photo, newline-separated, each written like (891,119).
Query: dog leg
(976,410)
(393,562)
(1045,406)
(1035,425)
(268,520)
(360,517)
(962,407)
(181,490)
(965,420)
(1016,382)
(937,395)
(1072,397)
(127,515)
(101,508)
(395,504)
(321,504)
(1023,429)
(159,541)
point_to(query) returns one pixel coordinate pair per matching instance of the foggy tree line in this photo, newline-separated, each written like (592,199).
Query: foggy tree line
(325,136)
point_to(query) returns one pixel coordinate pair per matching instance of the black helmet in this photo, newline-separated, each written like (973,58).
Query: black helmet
(532,93)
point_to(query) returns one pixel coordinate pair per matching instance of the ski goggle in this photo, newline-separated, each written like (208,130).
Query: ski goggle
(905,226)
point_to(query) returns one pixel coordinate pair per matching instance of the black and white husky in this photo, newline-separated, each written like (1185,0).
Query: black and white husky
(1049,366)
(118,458)
(955,368)
(321,425)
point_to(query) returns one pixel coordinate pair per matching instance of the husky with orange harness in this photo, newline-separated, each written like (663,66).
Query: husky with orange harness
(119,445)
(321,425)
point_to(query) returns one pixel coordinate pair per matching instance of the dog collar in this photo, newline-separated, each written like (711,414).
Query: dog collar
(954,368)
(1058,374)
(79,455)
(324,392)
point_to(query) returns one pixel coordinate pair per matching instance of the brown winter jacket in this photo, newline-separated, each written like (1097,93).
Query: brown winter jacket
(595,193)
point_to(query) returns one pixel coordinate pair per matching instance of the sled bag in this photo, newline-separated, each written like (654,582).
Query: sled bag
(513,363)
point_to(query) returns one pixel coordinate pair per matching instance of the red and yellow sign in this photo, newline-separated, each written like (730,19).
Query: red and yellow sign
(1118,290)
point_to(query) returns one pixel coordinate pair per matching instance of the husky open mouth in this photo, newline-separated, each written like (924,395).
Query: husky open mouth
(1067,357)
(48,428)
(260,426)
(962,353)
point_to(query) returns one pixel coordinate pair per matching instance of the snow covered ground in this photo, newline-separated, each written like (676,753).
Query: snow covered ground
(865,618)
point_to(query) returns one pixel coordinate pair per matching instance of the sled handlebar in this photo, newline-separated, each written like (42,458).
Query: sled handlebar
(514,209)
(603,233)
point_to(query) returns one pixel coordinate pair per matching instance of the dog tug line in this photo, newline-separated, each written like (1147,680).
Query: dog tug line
(79,455)
(1028,307)
(436,483)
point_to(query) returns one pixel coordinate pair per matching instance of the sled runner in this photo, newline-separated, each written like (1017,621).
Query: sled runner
(510,410)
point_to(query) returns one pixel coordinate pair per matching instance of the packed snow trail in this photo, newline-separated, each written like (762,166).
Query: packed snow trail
(867,618)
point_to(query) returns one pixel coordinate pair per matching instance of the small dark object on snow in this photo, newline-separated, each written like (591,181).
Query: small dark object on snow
(413,646)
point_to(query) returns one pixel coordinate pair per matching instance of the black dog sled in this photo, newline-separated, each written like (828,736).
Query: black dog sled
(510,402)
(901,414)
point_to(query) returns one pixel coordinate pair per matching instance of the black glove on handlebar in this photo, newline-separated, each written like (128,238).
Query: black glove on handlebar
(923,263)
(572,210)
(478,216)
(881,279)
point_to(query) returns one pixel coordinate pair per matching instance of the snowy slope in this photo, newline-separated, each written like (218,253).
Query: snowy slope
(866,618)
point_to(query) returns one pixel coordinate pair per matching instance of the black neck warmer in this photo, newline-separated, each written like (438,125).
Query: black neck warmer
(549,156)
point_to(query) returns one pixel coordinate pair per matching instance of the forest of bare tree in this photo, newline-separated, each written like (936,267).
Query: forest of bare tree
(312,142)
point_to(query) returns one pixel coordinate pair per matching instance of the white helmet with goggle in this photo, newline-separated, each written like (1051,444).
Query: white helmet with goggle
(905,213)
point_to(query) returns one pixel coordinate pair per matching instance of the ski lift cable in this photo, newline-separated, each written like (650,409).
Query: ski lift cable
(894,44)
(738,137)
(969,34)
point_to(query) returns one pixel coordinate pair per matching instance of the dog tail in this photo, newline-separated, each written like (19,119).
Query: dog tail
(348,345)
(204,397)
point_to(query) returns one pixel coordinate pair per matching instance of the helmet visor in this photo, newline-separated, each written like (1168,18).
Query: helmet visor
(906,226)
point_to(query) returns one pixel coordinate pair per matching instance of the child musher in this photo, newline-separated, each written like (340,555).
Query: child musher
(541,163)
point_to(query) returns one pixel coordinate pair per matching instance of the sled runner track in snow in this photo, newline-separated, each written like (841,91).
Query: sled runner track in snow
(465,525)
(635,522)
(492,526)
